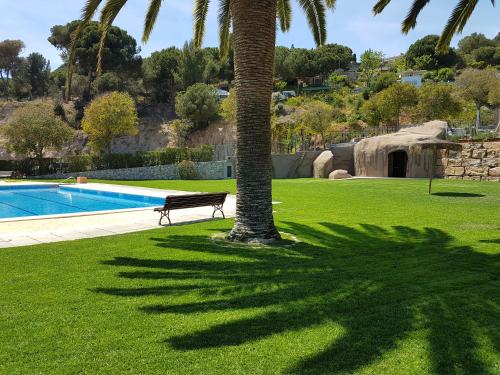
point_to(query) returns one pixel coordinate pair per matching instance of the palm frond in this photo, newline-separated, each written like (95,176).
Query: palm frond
(315,14)
(88,12)
(459,17)
(330,3)
(108,15)
(224,18)
(284,13)
(411,18)
(380,6)
(150,20)
(200,16)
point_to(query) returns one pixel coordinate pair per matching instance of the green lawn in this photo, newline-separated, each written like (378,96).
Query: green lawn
(385,280)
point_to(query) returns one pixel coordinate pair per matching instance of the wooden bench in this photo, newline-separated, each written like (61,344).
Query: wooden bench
(6,174)
(176,202)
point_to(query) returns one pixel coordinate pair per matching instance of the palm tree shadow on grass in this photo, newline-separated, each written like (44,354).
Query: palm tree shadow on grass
(380,285)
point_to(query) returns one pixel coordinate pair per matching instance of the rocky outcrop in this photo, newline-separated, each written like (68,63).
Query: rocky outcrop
(339,174)
(323,165)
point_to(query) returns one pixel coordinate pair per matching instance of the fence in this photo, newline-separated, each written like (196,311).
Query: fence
(297,143)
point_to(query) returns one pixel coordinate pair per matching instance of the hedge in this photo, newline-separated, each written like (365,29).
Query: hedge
(80,163)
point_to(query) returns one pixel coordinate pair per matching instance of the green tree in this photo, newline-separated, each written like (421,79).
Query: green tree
(472,42)
(119,50)
(228,107)
(9,60)
(371,62)
(370,112)
(487,55)
(433,59)
(383,81)
(425,62)
(160,71)
(436,102)
(192,63)
(331,57)
(455,23)
(108,116)
(34,129)
(394,100)
(338,81)
(199,104)
(181,129)
(317,117)
(475,86)
(38,73)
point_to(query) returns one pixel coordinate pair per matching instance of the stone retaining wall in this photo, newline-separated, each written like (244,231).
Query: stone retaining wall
(212,170)
(476,161)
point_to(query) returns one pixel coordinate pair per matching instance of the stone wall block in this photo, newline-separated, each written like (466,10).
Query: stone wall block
(455,162)
(476,171)
(494,172)
(454,171)
(478,154)
(472,162)
(492,145)
(442,162)
(490,162)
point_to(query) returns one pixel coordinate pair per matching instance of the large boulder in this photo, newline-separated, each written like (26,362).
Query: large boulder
(339,174)
(323,165)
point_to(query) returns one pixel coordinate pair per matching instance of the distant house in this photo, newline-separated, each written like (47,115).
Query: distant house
(413,77)
(222,94)
(352,71)
(388,63)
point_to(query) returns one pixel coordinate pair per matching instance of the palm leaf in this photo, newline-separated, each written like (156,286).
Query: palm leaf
(330,3)
(150,20)
(456,22)
(108,15)
(380,6)
(200,16)
(411,18)
(224,18)
(88,11)
(315,14)
(284,13)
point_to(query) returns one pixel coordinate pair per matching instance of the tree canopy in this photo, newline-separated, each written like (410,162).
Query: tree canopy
(108,116)
(33,129)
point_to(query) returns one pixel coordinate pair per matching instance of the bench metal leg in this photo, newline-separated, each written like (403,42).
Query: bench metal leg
(165,214)
(218,207)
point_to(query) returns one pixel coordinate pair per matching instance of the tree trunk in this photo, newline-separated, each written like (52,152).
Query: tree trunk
(254,36)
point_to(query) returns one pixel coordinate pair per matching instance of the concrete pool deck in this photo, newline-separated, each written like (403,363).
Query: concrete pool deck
(97,224)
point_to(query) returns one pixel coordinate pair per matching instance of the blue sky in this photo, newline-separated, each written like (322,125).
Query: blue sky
(352,24)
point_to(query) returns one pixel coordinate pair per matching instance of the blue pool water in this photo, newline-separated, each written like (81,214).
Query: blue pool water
(36,200)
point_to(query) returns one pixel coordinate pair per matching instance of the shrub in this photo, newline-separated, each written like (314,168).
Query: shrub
(187,170)
(199,104)
(78,163)
(33,129)
(109,116)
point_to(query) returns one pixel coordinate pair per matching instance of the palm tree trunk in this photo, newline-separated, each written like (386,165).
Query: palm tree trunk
(254,36)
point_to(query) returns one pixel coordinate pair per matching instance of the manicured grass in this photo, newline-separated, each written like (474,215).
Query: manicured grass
(385,280)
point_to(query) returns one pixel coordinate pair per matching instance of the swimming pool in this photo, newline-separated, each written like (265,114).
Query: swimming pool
(41,200)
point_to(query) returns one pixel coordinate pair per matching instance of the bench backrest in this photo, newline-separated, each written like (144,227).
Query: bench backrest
(173,202)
